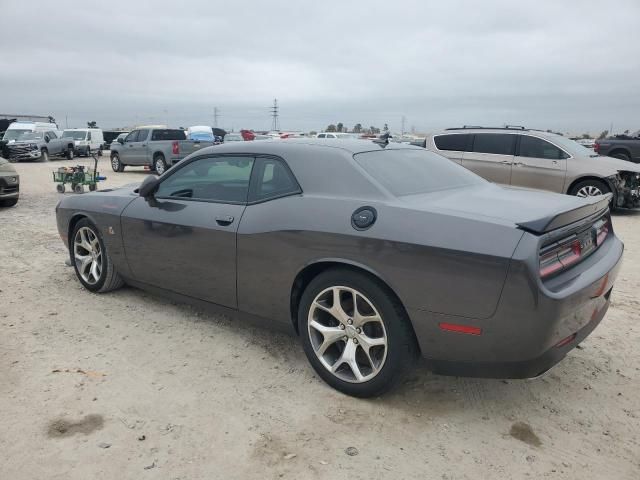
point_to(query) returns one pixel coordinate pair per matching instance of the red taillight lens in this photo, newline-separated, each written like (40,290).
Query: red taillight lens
(175,148)
(602,232)
(560,257)
(596,147)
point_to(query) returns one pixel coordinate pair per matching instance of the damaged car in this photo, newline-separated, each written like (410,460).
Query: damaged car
(541,160)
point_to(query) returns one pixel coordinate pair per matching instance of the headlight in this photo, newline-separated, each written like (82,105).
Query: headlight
(33,146)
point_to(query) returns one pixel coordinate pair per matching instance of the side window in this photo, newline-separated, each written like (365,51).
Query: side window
(131,137)
(142,135)
(272,179)
(52,135)
(537,148)
(321,135)
(457,142)
(215,179)
(497,143)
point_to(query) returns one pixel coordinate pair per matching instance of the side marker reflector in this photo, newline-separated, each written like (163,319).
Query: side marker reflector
(452,327)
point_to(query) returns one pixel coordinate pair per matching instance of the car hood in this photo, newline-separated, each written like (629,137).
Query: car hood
(618,164)
(503,205)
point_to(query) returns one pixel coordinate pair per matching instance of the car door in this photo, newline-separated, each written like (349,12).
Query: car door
(127,150)
(491,156)
(539,164)
(453,145)
(139,147)
(54,145)
(183,239)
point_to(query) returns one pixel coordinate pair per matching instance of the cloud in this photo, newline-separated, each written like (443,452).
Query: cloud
(564,65)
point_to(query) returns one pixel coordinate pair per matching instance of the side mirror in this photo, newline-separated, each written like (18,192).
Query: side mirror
(148,186)
(46,138)
(120,141)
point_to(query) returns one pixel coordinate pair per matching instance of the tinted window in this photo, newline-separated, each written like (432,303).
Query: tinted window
(408,172)
(459,141)
(131,137)
(52,135)
(167,134)
(498,143)
(272,179)
(321,135)
(538,148)
(142,135)
(221,179)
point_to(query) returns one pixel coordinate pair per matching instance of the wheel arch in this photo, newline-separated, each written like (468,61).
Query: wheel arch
(620,149)
(158,153)
(590,177)
(312,270)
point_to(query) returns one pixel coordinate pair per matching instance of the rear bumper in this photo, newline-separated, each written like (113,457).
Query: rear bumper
(534,326)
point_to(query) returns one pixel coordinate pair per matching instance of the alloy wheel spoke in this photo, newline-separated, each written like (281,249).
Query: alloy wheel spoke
(330,335)
(349,357)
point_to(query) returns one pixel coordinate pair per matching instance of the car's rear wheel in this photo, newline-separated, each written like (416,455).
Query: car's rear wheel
(91,261)
(355,333)
(590,188)
(621,156)
(116,164)
(160,164)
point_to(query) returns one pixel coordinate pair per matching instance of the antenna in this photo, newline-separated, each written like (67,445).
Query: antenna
(216,115)
(275,123)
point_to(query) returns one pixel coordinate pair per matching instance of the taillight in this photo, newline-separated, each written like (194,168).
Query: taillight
(175,148)
(596,148)
(602,231)
(558,257)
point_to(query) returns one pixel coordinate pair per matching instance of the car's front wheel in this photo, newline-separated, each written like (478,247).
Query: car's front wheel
(70,153)
(355,333)
(44,155)
(91,261)
(589,188)
(116,164)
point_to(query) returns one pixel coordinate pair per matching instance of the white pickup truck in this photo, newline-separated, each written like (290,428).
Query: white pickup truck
(158,148)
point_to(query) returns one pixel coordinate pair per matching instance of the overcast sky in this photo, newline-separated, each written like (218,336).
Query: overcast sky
(564,65)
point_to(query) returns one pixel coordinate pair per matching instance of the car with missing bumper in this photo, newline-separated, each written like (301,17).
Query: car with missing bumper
(371,252)
(541,160)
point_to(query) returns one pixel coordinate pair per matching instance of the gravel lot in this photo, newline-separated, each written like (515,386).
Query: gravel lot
(129,385)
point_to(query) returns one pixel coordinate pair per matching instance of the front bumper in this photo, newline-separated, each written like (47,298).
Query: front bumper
(534,326)
(9,186)
(30,155)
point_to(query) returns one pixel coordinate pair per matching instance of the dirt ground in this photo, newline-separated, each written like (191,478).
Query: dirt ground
(129,385)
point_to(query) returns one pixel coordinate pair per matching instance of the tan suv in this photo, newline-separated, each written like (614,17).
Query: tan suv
(535,159)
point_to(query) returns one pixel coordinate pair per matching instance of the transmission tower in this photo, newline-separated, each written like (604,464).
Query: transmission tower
(275,123)
(216,115)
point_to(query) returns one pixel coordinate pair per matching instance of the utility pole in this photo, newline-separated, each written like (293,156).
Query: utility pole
(275,123)
(66,121)
(216,115)
(402,129)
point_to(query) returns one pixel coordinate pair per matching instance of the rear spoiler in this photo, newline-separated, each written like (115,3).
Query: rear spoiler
(557,220)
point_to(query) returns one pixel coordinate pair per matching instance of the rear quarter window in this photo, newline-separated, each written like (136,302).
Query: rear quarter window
(456,142)
(168,134)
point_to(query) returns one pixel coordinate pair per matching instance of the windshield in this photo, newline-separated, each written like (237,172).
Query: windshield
(32,136)
(14,134)
(229,137)
(409,172)
(203,136)
(573,147)
(75,134)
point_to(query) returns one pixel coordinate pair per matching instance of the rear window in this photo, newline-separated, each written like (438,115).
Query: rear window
(167,134)
(409,172)
(458,142)
(497,143)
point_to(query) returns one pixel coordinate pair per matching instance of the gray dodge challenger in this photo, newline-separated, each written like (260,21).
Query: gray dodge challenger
(372,253)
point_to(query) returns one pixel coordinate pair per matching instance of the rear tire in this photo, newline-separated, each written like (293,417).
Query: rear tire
(160,164)
(106,276)
(78,188)
(589,188)
(387,335)
(621,156)
(116,164)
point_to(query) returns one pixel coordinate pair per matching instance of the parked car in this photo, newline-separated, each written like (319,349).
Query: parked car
(39,145)
(371,252)
(16,129)
(9,184)
(541,160)
(624,147)
(334,135)
(158,148)
(86,140)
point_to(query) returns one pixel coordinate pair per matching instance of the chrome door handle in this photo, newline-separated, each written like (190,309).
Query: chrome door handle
(224,220)
(506,162)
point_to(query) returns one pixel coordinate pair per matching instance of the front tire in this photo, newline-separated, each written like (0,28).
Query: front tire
(355,333)
(44,155)
(70,153)
(160,164)
(116,164)
(100,152)
(90,259)
(589,188)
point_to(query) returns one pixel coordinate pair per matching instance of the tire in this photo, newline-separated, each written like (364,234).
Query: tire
(160,164)
(93,187)
(395,348)
(9,202)
(70,154)
(621,156)
(589,188)
(60,188)
(108,278)
(78,188)
(88,152)
(44,155)
(100,152)
(116,164)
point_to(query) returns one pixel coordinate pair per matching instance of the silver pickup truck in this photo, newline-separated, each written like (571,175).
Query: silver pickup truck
(39,146)
(158,148)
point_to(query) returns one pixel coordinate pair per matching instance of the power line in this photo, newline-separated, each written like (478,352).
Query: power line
(275,123)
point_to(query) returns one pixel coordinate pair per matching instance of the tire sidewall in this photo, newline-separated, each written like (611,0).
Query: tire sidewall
(44,155)
(116,157)
(159,160)
(399,345)
(105,259)
(604,188)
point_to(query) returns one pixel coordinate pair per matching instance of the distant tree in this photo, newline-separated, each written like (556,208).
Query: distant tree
(374,130)
(92,124)
(603,135)
(357,128)
(386,128)
(340,126)
(586,135)
(331,128)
